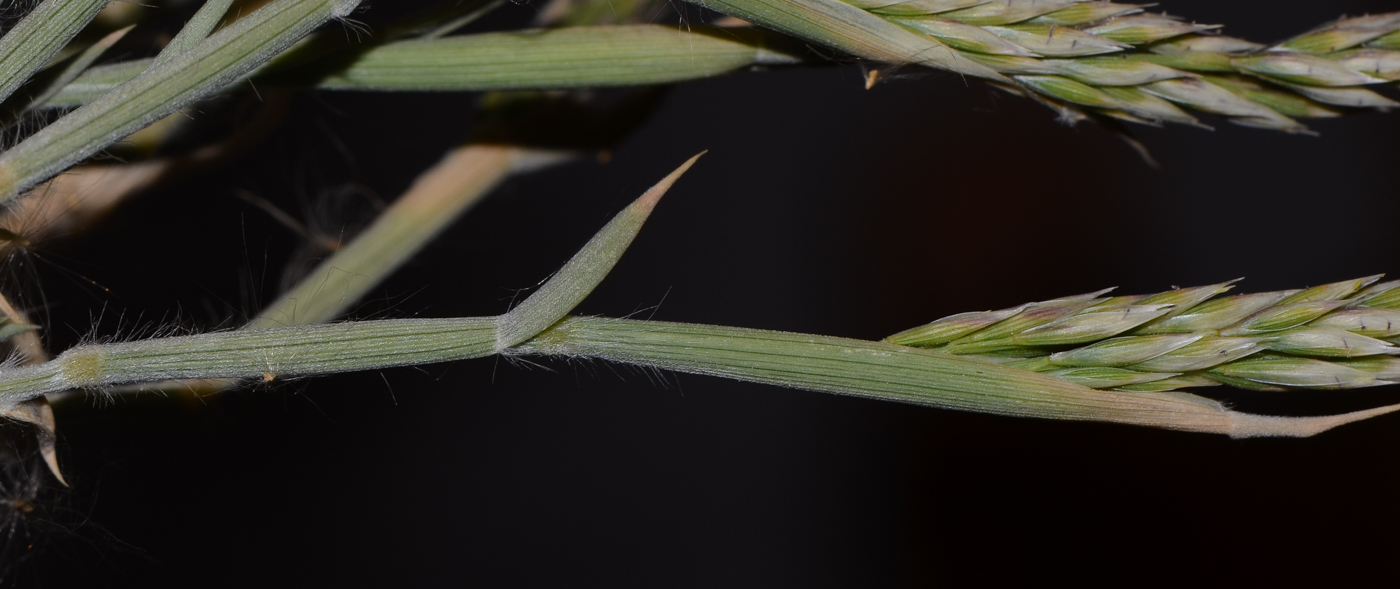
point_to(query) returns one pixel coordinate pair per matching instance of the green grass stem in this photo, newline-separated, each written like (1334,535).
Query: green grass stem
(897,373)
(809,362)
(323,349)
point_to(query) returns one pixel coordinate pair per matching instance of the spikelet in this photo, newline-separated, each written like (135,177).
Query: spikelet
(1334,336)
(1118,61)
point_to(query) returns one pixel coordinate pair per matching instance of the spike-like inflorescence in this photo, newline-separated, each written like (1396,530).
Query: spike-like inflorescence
(1119,61)
(1335,336)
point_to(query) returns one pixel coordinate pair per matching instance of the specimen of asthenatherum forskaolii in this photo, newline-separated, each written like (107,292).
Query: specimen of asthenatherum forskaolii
(1091,357)
(1001,362)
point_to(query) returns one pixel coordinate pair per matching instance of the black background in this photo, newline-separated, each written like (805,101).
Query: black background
(821,207)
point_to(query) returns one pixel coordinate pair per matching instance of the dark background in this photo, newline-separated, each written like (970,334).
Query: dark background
(821,208)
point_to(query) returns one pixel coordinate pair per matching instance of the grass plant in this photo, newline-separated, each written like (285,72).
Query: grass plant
(1091,357)
(116,99)
(825,364)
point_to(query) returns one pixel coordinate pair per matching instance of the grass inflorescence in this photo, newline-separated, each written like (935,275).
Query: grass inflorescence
(1335,336)
(1110,60)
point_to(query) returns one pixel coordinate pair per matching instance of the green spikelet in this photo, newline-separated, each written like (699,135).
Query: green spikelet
(1331,336)
(1070,53)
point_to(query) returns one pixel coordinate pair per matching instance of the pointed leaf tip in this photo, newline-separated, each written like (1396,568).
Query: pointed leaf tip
(1248,425)
(648,201)
(583,272)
